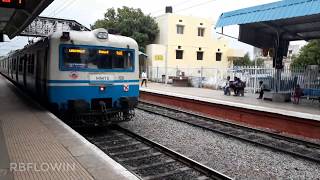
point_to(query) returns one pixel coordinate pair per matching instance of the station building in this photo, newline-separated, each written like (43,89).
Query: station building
(188,42)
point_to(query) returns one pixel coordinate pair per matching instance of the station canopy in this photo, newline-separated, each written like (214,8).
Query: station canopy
(288,20)
(16,15)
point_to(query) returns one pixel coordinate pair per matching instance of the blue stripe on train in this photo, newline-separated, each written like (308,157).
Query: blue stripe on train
(87,81)
(61,94)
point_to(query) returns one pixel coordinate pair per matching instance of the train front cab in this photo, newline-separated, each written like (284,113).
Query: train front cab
(93,80)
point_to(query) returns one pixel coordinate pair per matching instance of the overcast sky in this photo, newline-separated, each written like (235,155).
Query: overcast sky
(87,11)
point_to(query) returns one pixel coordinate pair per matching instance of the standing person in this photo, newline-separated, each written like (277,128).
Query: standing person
(298,92)
(262,89)
(144,78)
(226,88)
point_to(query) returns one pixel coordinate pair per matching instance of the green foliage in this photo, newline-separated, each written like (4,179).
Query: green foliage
(130,22)
(245,61)
(309,55)
(260,62)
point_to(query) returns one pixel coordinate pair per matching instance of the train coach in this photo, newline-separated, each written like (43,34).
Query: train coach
(89,77)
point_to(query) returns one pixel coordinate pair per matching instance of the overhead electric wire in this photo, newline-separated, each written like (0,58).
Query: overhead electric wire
(196,5)
(175,5)
(52,12)
(65,7)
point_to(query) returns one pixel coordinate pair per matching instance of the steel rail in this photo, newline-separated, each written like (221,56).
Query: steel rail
(313,156)
(177,156)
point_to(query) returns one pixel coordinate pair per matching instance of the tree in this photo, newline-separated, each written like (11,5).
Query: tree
(260,62)
(245,61)
(309,55)
(130,22)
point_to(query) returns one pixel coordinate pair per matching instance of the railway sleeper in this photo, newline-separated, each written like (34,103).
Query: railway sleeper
(123,146)
(169,161)
(130,151)
(156,154)
(167,174)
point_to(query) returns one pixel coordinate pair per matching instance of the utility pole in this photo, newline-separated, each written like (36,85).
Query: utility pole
(166,65)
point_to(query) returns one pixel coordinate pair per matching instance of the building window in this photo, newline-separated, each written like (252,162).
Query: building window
(218,56)
(200,55)
(201,32)
(180,29)
(179,54)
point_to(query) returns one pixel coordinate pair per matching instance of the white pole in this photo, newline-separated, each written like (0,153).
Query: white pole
(255,76)
(166,66)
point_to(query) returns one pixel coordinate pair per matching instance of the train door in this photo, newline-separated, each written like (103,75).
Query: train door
(25,63)
(45,74)
(16,63)
(11,68)
(38,73)
(41,73)
(8,67)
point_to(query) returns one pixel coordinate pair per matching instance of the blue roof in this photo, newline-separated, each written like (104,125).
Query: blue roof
(268,12)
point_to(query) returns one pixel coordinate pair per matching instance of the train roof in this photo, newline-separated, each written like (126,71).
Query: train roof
(86,38)
(90,38)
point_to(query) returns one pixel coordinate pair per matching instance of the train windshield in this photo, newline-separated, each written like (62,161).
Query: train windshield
(93,58)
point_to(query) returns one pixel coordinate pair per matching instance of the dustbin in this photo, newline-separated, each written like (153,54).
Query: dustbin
(163,80)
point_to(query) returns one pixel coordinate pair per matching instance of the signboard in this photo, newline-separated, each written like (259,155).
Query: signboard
(158,57)
(17,4)
(101,77)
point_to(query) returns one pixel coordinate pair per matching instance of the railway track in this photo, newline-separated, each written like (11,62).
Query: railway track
(148,159)
(293,146)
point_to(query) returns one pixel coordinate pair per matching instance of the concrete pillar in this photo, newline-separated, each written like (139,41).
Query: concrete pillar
(1,37)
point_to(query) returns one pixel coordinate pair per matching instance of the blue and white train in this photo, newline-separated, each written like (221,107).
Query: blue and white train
(89,76)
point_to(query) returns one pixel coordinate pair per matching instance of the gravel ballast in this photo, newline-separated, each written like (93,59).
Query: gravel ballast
(237,159)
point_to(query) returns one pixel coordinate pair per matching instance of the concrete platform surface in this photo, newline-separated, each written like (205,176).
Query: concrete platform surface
(307,109)
(37,145)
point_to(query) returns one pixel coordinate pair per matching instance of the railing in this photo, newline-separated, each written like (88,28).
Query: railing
(307,78)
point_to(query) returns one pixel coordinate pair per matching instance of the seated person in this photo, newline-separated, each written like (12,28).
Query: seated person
(241,87)
(233,84)
(236,86)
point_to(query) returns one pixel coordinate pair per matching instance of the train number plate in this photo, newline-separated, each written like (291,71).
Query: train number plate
(101,77)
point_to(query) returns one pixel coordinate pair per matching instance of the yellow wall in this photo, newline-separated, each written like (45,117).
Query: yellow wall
(190,43)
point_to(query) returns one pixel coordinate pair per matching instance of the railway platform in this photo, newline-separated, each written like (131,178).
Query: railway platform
(34,144)
(302,120)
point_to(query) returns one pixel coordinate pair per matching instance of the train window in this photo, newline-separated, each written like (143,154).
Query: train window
(96,58)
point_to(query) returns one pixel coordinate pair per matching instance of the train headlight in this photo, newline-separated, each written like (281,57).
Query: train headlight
(102,35)
(125,87)
(102,88)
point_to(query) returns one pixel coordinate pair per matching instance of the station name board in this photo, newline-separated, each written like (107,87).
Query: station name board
(17,4)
